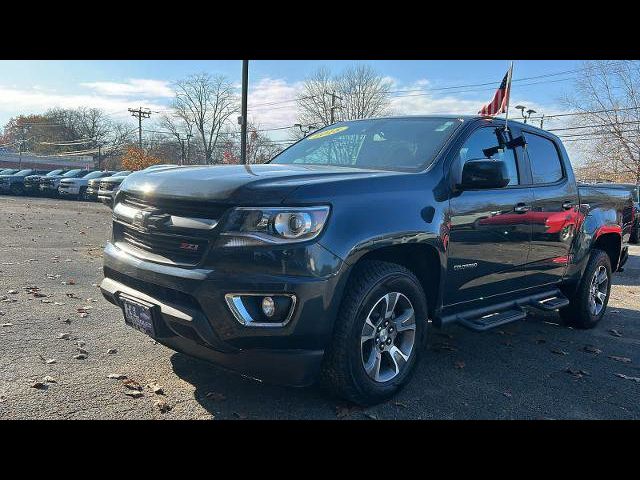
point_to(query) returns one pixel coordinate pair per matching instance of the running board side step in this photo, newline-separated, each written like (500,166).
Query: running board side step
(485,318)
(491,320)
(551,303)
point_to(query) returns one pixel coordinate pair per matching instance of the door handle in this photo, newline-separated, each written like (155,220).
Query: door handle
(567,205)
(521,208)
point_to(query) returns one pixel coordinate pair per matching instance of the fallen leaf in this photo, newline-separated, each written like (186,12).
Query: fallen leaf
(8,324)
(157,389)
(50,361)
(163,406)
(559,352)
(459,364)
(12,292)
(216,397)
(133,385)
(372,416)
(49,379)
(80,356)
(82,351)
(134,393)
(615,332)
(117,376)
(343,411)
(439,347)
(627,377)
(620,359)
(64,336)
(577,373)
(591,349)
(111,351)
(39,386)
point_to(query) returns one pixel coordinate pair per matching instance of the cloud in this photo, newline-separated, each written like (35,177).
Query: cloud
(142,87)
(15,101)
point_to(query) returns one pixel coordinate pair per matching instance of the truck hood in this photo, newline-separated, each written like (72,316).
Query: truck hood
(240,184)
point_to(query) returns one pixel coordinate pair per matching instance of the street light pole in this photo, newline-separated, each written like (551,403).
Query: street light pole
(243,125)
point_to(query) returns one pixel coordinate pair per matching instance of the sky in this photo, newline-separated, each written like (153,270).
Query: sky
(33,86)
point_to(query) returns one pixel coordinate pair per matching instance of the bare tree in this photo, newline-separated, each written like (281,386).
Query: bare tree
(362,91)
(205,103)
(608,95)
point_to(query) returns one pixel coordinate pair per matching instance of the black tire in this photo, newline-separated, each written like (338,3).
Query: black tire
(578,313)
(82,194)
(635,233)
(343,370)
(16,189)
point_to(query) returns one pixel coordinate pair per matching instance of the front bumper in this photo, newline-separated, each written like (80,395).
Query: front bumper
(68,190)
(192,316)
(92,192)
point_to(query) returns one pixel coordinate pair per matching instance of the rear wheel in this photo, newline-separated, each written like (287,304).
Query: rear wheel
(378,335)
(82,194)
(589,302)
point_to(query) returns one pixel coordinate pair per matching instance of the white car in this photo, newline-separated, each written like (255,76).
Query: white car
(77,187)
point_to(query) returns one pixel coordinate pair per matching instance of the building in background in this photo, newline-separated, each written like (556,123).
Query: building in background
(44,162)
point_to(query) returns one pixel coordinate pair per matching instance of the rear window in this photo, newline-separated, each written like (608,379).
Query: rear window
(546,166)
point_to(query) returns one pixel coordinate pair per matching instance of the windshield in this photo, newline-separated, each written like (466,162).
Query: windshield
(94,175)
(55,172)
(72,173)
(404,144)
(24,172)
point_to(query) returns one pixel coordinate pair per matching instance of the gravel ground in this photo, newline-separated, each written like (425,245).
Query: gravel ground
(528,370)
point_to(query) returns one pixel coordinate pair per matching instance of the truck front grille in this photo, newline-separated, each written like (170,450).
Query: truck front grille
(165,231)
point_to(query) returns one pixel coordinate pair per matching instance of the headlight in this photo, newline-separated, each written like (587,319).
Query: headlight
(248,226)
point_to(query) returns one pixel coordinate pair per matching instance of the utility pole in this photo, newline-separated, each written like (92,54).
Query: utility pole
(140,114)
(243,118)
(333,104)
(188,146)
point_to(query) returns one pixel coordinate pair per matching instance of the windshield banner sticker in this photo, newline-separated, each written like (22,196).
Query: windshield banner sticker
(326,133)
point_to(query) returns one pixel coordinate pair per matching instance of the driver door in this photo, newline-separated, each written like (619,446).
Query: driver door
(490,232)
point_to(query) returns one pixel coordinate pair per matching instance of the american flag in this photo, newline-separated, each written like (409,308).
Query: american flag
(500,100)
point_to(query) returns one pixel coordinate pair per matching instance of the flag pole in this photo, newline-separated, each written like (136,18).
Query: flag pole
(506,118)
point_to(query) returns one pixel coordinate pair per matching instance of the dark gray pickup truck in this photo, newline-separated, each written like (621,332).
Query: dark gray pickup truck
(335,259)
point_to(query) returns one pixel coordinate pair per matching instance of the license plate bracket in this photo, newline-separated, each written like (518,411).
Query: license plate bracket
(138,314)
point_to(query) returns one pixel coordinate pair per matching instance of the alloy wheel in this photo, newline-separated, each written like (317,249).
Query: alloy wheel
(388,337)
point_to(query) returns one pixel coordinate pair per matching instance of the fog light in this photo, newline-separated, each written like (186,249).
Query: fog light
(268,306)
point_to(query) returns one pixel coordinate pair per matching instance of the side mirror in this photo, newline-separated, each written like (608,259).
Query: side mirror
(484,173)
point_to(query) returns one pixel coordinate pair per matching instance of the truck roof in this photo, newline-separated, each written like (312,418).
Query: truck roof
(466,118)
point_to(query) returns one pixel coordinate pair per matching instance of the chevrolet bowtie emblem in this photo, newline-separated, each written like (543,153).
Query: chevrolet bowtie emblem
(141,219)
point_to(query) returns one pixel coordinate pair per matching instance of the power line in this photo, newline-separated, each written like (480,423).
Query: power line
(140,114)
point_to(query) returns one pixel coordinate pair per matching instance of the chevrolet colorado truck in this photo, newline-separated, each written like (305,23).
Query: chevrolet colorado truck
(334,260)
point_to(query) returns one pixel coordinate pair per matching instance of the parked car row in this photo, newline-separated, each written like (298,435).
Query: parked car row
(81,184)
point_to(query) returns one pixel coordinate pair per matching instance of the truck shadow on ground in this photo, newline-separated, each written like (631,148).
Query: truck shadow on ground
(462,374)
(228,395)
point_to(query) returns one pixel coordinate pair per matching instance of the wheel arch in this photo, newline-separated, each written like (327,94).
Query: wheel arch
(422,259)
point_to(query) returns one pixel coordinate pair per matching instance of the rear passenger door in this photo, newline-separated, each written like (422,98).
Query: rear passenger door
(555,214)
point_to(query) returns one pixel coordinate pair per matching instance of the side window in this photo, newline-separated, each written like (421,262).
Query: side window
(484,143)
(546,166)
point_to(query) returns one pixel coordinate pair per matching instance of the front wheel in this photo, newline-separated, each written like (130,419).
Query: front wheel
(589,301)
(378,335)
